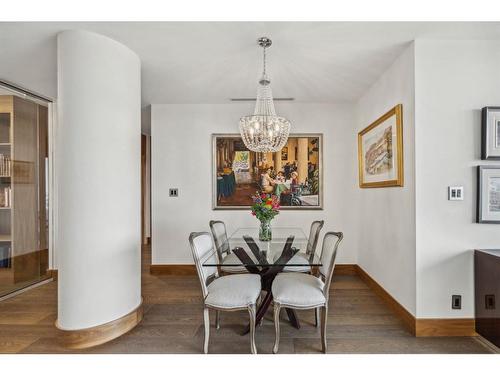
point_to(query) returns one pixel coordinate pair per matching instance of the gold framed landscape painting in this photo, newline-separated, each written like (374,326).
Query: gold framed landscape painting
(380,151)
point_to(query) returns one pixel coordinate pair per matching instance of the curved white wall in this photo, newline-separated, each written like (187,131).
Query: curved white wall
(98,180)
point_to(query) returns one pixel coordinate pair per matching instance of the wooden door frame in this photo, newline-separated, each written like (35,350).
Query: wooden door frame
(145,185)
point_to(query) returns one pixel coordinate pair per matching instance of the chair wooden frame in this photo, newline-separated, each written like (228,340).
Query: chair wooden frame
(327,278)
(218,246)
(311,247)
(206,307)
(223,252)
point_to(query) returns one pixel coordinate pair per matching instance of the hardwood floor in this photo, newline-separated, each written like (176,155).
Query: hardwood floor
(358,322)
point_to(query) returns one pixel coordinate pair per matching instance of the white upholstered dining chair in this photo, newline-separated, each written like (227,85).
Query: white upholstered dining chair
(224,253)
(312,242)
(301,259)
(304,291)
(225,293)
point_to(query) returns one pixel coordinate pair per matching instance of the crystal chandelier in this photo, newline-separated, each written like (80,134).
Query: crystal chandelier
(264,131)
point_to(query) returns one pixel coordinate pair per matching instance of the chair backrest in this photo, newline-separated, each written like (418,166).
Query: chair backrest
(219,233)
(314,236)
(331,242)
(202,248)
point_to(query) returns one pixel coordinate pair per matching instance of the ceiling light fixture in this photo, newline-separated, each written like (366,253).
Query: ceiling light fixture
(264,131)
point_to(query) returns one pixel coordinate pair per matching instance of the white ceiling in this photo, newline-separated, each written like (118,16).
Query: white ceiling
(210,62)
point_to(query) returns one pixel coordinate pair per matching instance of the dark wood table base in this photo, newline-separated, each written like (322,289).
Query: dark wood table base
(262,309)
(267,273)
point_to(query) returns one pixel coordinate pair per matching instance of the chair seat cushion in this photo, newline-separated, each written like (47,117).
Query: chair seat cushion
(299,258)
(232,259)
(234,291)
(298,289)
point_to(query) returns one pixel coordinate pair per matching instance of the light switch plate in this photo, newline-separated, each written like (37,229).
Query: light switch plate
(455,193)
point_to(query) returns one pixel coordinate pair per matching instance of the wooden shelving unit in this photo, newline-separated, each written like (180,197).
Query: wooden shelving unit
(23,146)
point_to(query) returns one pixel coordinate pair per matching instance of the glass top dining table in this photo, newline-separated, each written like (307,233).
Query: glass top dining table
(287,247)
(286,251)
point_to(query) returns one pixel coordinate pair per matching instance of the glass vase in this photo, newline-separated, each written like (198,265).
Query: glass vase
(265,232)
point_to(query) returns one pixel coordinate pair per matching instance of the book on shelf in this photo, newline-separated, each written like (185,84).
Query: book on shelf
(5,165)
(5,196)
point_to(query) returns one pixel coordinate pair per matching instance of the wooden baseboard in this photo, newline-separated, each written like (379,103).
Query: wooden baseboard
(445,327)
(345,269)
(52,274)
(89,337)
(420,327)
(190,269)
(404,315)
(172,269)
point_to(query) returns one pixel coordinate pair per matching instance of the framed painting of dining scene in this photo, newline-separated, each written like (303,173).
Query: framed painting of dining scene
(380,151)
(294,174)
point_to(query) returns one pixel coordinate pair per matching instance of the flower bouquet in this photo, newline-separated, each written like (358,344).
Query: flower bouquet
(265,207)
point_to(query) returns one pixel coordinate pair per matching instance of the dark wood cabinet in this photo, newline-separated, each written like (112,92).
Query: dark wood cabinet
(487,294)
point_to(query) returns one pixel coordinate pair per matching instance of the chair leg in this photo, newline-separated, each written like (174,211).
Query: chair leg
(206,320)
(259,301)
(277,309)
(316,316)
(324,313)
(217,319)
(251,312)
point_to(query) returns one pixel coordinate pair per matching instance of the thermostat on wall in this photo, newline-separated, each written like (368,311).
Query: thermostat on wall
(455,193)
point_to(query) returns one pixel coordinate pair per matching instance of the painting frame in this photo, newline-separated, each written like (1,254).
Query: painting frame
(490,133)
(483,216)
(320,205)
(397,112)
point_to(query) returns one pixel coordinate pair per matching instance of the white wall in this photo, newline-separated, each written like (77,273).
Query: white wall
(99,91)
(182,156)
(386,216)
(454,80)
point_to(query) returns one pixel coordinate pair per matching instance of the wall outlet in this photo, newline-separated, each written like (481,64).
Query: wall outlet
(489,302)
(455,193)
(456,302)
(173,192)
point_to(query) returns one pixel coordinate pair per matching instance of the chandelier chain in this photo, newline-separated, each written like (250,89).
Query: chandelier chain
(264,71)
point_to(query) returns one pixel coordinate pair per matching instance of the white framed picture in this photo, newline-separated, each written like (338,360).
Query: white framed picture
(490,133)
(488,194)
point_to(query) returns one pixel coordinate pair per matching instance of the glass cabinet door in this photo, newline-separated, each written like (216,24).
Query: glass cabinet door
(23,192)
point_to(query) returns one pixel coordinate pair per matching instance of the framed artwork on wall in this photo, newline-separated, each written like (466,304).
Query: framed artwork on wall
(488,194)
(490,133)
(380,151)
(295,173)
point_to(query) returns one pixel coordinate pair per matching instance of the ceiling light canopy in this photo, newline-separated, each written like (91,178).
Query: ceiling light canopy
(264,131)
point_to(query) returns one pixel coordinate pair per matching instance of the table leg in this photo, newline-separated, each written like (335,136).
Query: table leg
(292,316)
